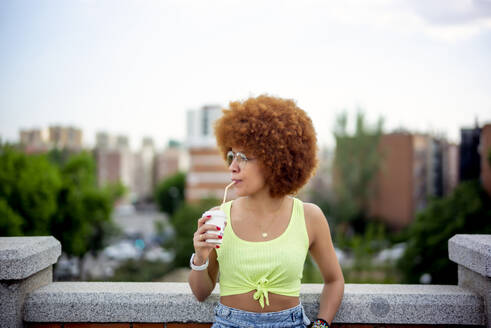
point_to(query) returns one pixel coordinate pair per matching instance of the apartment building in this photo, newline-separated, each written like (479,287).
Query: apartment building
(413,168)
(114,160)
(208,174)
(61,137)
(169,162)
(485,152)
(43,140)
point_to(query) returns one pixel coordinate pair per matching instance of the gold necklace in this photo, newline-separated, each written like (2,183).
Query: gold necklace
(264,233)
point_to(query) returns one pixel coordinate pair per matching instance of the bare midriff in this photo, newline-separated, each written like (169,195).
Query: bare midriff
(246,302)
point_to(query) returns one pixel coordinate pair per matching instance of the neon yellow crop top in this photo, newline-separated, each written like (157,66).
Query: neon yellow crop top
(273,266)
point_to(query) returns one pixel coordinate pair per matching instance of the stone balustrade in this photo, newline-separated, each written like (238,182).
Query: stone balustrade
(29,298)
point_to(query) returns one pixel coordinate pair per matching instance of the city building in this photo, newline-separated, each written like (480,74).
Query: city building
(115,161)
(485,154)
(65,137)
(34,140)
(413,168)
(470,160)
(139,171)
(143,183)
(208,174)
(168,162)
(43,140)
(450,167)
(104,141)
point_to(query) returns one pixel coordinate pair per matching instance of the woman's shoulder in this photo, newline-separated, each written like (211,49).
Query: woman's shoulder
(313,213)
(311,209)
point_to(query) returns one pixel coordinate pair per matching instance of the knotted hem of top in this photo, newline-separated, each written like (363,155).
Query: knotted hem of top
(262,292)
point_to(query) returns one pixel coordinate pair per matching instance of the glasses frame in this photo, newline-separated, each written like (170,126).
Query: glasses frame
(239,157)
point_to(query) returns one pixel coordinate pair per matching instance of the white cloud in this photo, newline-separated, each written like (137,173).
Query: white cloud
(453,20)
(444,20)
(452,12)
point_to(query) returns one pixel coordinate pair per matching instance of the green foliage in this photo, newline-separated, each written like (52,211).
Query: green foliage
(466,211)
(363,269)
(83,209)
(79,171)
(115,191)
(141,270)
(169,193)
(10,222)
(311,273)
(59,157)
(364,247)
(356,164)
(29,185)
(38,197)
(185,224)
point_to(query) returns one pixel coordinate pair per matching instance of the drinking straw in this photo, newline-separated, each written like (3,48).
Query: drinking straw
(226,189)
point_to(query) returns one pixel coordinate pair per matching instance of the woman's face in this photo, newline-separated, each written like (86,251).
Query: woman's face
(248,176)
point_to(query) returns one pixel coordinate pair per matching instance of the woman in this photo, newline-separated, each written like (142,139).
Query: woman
(270,146)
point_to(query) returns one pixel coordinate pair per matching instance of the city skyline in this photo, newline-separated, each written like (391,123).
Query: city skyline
(136,68)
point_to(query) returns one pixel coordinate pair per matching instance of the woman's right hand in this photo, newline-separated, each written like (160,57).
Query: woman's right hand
(202,249)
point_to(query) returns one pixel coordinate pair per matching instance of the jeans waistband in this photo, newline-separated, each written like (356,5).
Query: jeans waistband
(227,316)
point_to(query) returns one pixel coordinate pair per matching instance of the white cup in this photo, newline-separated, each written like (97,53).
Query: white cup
(218,218)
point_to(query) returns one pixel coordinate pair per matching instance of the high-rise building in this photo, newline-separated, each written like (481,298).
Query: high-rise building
(398,184)
(167,163)
(413,168)
(469,158)
(34,140)
(62,137)
(143,170)
(104,141)
(208,174)
(485,154)
(115,161)
(450,167)
(59,137)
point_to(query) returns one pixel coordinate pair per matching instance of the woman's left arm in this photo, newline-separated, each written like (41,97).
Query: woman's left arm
(322,251)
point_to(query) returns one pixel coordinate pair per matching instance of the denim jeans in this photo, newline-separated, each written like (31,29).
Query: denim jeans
(227,317)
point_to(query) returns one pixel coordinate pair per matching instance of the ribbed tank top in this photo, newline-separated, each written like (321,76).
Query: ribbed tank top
(274,266)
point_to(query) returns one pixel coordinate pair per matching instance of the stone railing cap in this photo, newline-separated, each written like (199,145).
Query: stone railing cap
(20,257)
(472,252)
(174,302)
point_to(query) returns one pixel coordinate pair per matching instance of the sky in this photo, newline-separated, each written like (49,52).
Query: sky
(136,67)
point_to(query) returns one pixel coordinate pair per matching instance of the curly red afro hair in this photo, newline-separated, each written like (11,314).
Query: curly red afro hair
(276,132)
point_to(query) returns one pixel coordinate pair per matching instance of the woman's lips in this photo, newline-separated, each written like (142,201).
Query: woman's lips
(236,181)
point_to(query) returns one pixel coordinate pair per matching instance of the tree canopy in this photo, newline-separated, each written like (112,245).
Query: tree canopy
(42,196)
(185,223)
(356,163)
(466,211)
(169,194)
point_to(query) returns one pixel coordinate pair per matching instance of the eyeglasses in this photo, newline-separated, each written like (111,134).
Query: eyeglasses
(239,157)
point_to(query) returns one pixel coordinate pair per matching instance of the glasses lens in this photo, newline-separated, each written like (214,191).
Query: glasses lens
(241,158)
(230,157)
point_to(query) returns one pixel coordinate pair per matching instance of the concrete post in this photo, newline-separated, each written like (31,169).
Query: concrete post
(25,265)
(472,253)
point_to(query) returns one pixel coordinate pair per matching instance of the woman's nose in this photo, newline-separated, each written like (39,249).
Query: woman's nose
(234,166)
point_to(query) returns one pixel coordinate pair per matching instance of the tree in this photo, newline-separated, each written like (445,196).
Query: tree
(28,186)
(170,193)
(83,208)
(41,198)
(467,210)
(185,223)
(356,164)
(10,222)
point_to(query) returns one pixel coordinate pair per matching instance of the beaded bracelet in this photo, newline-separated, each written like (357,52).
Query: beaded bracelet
(320,323)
